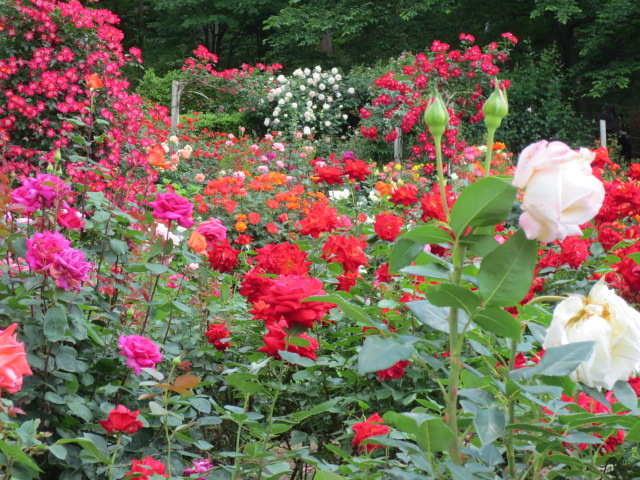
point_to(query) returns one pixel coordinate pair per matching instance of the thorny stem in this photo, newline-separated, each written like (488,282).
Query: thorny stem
(441,181)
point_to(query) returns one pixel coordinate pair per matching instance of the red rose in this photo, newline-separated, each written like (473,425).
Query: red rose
(285,299)
(121,419)
(347,250)
(255,284)
(394,372)
(216,333)
(223,257)
(368,429)
(387,226)
(275,340)
(283,259)
(147,467)
(170,206)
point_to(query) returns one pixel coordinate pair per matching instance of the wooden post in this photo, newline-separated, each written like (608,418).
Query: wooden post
(603,133)
(176,91)
(397,146)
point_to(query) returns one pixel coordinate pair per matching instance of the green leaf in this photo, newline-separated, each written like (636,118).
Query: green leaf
(324,475)
(428,234)
(558,361)
(431,270)
(489,423)
(13,451)
(320,408)
(498,321)
(55,324)
(485,202)
(403,252)
(430,432)
(379,353)
(296,359)
(156,268)
(452,295)
(506,274)
(625,394)
(101,216)
(354,312)
(480,245)
(118,246)
(432,316)
(89,446)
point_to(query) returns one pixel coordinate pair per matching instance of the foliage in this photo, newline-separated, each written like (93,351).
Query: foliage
(539,87)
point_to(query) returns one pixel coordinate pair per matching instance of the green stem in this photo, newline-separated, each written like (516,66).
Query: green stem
(272,409)
(454,357)
(489,153)
(165,401)
(239,437)
(113,457)
(511,457)
(441,181)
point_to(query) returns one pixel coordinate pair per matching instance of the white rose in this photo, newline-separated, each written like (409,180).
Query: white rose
(605,318)
(338,195)
(561,193)
(306,131)
(322,86)
(302,88)
(266,122)
(351,90)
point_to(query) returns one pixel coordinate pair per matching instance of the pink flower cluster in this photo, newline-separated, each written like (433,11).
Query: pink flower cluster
(51,254)
(41,191)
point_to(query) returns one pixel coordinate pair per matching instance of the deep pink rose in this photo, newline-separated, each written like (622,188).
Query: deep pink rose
(285,299)
(13,360)
(42,191)
(43,248)
(69,218)
(69,269)
(170,206)
(213,231)
(140,352)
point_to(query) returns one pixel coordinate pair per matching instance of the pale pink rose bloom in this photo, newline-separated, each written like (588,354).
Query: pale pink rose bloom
(561,193)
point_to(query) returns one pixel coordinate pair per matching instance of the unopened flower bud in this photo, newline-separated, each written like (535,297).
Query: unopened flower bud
(495,108)
(177,360)
(436,116)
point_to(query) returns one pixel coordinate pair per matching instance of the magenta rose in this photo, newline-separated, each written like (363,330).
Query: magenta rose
(140,352)
(69,218)
(69,269)
(42,191)
(213,231)
(169,206)
(285,299)
(43,248)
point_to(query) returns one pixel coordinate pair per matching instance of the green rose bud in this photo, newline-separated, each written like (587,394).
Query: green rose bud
(176,360)
(495,108)
(436,116)
(57,156)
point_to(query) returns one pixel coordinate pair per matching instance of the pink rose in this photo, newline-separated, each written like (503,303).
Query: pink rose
(69,269)
(170,206)
(13,360)
(43,248)
(213,231)
(140,352)
(70,218)
(561,193)
(42,191)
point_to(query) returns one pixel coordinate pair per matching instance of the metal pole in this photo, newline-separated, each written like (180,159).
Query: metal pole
(603,133)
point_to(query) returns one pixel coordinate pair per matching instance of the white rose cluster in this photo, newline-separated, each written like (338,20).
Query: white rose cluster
(309,101)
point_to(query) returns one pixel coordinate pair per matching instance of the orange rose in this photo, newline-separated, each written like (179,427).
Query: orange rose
(197,242)
(13,360)
(155,157)
(241,217)
(241,226)
(94,82)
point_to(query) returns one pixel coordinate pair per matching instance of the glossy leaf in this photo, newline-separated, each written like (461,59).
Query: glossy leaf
(428,234)
(452,295)
(558,361)
(379,353)
(498,321)
(485,202)
(506,274)
(403,252)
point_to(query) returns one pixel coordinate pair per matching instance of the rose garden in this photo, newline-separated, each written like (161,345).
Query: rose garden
(273,302)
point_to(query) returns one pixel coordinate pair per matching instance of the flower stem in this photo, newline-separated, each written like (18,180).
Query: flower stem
(441,181)
(511,457)
(489,153)
(113,457)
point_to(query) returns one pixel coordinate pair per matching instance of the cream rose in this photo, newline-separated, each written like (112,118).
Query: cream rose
(561,193)
(605,318)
